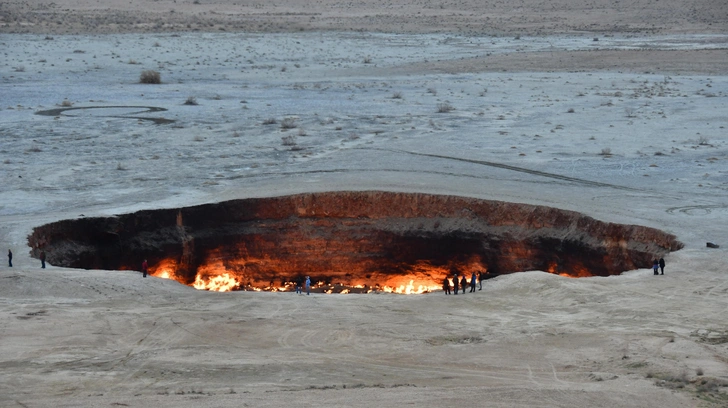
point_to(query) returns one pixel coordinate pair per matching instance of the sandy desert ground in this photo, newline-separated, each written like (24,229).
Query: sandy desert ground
(616,111)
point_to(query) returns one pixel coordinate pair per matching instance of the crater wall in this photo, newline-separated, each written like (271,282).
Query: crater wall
(354,239)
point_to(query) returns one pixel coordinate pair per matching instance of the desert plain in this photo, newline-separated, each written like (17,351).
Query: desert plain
(617,111)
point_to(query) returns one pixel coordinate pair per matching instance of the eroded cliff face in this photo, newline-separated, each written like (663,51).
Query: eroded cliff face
(350,240)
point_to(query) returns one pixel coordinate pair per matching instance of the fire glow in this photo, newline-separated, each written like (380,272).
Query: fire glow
(216,278)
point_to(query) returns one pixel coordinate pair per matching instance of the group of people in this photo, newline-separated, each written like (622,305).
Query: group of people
(299,283)
(42,259)
(458,283)
(658,264)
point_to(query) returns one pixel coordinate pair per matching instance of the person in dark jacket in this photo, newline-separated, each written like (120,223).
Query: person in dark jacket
(473,282)
(464,283)
(145,267)
(456,283)
(42,259)
(662,266)
(10,258)
(299,285)
(446,285)
(655,266)
(480,280)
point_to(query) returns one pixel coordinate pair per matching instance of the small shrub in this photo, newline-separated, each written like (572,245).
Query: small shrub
(191,100)
(397,95)
(571,110)
(150,77)
(699,371)
(630,112)
(270,121)
(66,103)
(288,123)
(606,152)
(444,107)
(703,141)
(367,60)
(289,140)
(432,91)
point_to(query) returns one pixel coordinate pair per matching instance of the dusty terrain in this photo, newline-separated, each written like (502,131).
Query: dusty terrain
(615,110)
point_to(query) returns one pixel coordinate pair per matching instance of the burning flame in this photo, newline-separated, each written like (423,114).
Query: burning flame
(410,288)
(230,275)
(219,283)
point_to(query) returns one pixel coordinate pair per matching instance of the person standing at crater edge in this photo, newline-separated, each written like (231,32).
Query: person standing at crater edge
(308,285)
(662,266)
(473,281)
(464,283)
(655,265)
(42,259)
(145,266)
(10,258)
(456,283)
(446,285)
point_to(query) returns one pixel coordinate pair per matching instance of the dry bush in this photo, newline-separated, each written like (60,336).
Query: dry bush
(270,121)
(66,103)
(289,140)
(703,141)
(288,123)
(191,100)
(606,152)
(150,77)
(444,107)
(397,95)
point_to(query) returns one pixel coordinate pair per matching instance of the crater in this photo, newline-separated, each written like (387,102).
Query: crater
(350,241)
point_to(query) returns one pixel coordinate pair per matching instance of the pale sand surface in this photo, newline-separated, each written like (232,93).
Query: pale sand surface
(545,106)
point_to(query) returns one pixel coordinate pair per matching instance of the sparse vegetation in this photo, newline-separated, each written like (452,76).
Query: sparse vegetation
(630,112)
(66,103)
(288,123)
(703,141)
(270,121)
(444,107)
(606,152)
(150,77)
(191,100)
(289,140)
(397,95)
